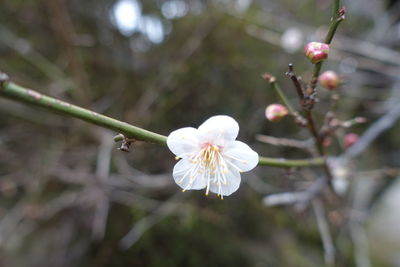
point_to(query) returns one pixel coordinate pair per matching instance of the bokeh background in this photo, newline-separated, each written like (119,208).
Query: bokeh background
(68,197)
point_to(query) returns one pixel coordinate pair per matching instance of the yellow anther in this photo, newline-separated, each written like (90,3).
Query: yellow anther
(177,158)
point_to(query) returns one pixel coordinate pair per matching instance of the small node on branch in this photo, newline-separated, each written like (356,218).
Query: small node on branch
(126,142)
(299,119)
(3,78)
(268,77)
(119,137)
(342,13)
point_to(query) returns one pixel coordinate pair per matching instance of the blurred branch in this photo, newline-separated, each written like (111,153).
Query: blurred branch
(347,47)
(27,52)
(261,29)
(19,93)
(373,132)
(379,126)
(149,221)
(102,173)
(64,31)
(323,227)
(166,76)
(362,194)
(300,198)
(280,141)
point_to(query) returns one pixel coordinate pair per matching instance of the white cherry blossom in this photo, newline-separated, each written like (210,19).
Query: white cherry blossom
(209,157)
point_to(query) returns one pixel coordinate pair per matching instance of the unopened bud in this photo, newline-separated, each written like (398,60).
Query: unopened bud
(275,112)
(329,79)
(316,52)
(268,77)
(350,139)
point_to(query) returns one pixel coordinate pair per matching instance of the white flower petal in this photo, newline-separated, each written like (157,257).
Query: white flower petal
(210,156)
(241,155)
(232,183)
(219,129)
(183,141)
(186,178)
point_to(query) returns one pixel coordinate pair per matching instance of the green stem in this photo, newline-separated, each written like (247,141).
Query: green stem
(282,96)
(332,30)
(335,9)
(336,19)
(24,95)
(287,163)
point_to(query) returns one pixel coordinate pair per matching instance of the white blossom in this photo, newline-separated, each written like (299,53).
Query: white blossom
(209,157)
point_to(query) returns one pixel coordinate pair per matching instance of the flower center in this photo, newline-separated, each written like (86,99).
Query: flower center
(209,155)
(208,164)
(212,165)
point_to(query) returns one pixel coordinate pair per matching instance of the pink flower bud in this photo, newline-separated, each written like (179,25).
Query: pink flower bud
(350,139)
(329,79)
(316,52)
(275,112)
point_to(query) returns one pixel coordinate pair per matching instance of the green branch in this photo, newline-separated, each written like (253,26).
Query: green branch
(24,95)
(290,163)
(21,94)
(281,95)
(337,17)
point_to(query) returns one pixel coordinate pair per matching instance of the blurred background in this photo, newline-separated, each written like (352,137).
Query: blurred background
(68,197)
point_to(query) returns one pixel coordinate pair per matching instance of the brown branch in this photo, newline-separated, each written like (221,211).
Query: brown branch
(292,75)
